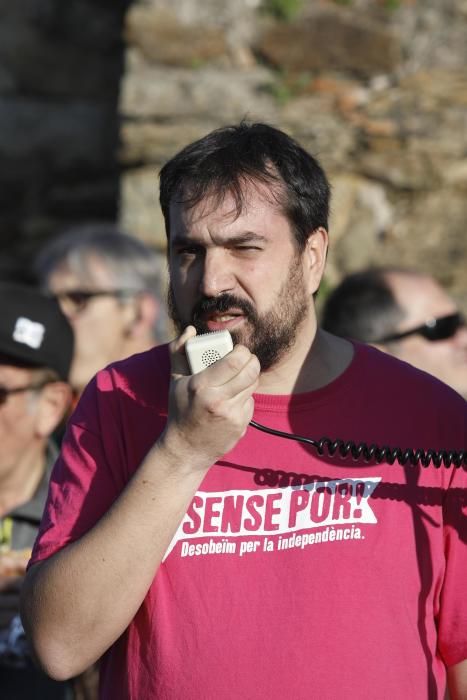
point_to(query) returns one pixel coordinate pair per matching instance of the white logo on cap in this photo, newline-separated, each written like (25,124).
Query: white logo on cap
(29,332)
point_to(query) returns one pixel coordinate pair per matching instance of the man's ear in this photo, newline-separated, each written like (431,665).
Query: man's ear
(315,254)
(53,403)
(145,310)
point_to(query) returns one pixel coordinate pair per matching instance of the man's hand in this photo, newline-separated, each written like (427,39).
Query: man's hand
(209,411)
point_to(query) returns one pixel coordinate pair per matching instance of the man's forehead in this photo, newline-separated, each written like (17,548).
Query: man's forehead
(10,371)
(88,270)
(184,215)
(420,296)
(258,217)
(224,207)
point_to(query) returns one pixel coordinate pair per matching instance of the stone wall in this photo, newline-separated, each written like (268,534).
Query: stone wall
(60,72)
(377,89)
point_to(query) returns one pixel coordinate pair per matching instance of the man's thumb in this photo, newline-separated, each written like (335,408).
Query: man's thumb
(178,361)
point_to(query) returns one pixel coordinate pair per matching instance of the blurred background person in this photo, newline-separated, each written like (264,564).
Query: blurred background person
(407,314)
(36,347)
(108,284)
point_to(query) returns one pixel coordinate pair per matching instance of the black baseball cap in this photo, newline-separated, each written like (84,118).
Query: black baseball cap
(33,330)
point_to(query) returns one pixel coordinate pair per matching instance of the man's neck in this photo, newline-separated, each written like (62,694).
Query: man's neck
(138,344)
(316,359)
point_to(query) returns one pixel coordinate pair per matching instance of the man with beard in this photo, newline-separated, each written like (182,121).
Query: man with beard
(206,559)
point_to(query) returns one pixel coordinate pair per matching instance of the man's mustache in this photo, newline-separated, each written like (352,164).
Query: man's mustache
(221,304)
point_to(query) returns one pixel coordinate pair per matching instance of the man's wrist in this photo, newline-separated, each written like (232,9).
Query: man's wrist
(179,455)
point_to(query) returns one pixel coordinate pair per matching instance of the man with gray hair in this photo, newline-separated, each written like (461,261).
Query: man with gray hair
(108,284)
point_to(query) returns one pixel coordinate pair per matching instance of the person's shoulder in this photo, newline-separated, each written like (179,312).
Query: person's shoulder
(140,372)
(156,359)
(142,377)
(397,375)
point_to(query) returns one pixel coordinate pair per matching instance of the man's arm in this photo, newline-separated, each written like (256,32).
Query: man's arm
(457,681)
(78,602)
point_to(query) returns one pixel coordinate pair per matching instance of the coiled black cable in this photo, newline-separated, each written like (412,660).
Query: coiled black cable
(370,453)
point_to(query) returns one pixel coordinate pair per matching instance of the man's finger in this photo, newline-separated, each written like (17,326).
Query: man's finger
(178,361)
(243,380)
(224,370)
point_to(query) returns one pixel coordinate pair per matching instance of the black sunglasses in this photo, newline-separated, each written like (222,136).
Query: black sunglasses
(435,329)
(5,393)
(79,298)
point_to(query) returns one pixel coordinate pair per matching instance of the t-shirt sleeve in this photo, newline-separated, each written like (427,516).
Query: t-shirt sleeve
(84,481)
(452,623)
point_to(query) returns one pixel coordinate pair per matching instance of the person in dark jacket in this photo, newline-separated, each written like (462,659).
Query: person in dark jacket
(36,348)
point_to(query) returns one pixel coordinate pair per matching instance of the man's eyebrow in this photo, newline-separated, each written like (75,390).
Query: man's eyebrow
(181,239)
(245,237)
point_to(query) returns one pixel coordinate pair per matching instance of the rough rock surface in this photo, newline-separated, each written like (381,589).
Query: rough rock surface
(96,95)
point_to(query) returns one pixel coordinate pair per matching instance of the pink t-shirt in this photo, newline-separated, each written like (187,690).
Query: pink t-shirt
(291,575)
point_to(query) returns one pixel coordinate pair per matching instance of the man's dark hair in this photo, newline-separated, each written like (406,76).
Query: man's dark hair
(225,160)
(362,307)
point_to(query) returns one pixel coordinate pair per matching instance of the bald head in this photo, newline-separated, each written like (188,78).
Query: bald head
(378,305)
(423,300)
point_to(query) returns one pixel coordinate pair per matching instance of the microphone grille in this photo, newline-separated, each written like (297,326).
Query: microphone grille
(210,356)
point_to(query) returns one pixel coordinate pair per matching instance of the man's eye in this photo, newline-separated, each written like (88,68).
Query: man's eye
(188,251)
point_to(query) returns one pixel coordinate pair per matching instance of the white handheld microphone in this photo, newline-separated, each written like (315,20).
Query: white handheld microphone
(204,349)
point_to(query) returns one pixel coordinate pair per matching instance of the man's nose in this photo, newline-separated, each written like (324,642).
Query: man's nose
(217,277)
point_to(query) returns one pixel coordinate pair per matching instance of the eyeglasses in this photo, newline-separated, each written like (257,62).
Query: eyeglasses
(78,299)
(5,392)
(435,329)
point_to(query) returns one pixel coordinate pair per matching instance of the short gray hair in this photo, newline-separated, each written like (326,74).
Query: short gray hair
(133,265)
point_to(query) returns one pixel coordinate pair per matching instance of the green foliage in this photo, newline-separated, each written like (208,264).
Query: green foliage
(196,63)
(286,86)
(280,91)
(284,10)
(325,288)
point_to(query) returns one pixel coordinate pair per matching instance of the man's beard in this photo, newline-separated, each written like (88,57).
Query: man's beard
(267,336)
